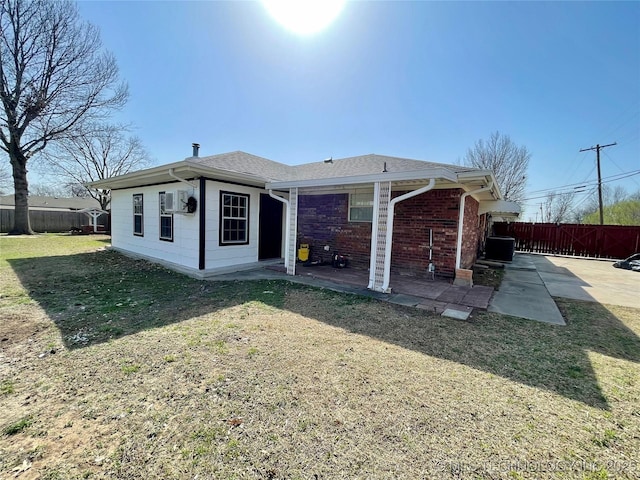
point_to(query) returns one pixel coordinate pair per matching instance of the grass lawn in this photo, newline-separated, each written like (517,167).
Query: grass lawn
(117,368)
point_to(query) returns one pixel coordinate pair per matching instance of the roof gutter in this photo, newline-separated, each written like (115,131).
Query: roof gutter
(389,233)
(425,174)
(159,175)
(482,174)
(463,199)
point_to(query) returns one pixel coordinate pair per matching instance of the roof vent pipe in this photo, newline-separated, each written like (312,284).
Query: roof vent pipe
(196,149)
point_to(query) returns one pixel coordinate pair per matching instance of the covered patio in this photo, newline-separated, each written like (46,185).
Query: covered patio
(438,296)
(388,215)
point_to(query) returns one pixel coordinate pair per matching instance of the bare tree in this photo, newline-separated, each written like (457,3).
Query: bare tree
(48,190)
(557,207)
(508,161)
(610,196)
(77,190)
(5,179)
(100,152)
(53,75)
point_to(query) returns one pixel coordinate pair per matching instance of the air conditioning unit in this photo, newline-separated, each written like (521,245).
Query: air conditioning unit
(179,202)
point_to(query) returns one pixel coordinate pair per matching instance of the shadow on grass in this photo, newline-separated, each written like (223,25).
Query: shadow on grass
(99,296)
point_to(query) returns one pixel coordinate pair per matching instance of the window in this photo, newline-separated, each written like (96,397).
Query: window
(138,213)
(361,207)
(166,220)
(234,218)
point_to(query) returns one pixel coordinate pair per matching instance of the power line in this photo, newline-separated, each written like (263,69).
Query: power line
(623,119)
(619,168)
(611,178)
(573,165)
(574,208)
(597,148)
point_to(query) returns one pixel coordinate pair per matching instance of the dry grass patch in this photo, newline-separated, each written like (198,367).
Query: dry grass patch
(274,380)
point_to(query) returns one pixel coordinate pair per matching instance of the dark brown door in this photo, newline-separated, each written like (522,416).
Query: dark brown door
(270,236)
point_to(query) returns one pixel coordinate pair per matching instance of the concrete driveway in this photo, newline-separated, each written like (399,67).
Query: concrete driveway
(588,279)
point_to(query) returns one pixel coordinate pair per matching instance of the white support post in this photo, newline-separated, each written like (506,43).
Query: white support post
(292,226)
(381,197)
(374,236)
(94,220)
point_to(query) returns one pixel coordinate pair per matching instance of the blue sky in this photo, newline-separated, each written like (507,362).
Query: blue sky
(422,80)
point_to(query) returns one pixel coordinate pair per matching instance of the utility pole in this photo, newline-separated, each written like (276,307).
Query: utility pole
(597,149)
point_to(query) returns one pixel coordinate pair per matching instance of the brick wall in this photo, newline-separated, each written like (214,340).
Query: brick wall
(323,219)
(436,210)
(470,233)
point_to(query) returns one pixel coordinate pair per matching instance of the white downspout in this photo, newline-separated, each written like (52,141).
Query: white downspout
(461,219)
(287,229)
(387,249)
(173,175)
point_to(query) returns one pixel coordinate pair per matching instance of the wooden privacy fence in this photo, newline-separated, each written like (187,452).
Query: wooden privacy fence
(50,221)
(598,241)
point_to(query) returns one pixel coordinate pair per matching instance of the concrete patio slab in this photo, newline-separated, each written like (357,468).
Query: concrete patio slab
(432,306)
(589,279)
(526,300)
(453,294)
(523,294)
(457,314)
(523,276)
(402,299)
(520,262)
(478,297)
(566,286)
(431,290)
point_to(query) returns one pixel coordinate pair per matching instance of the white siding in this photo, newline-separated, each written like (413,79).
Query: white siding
(218,256)
(184,248)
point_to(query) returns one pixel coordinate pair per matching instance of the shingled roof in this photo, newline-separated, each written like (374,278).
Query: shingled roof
(242,162)
(366,165)
(261,172)
(246,163)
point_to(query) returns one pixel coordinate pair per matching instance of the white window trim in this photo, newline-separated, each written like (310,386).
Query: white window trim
(350,206)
